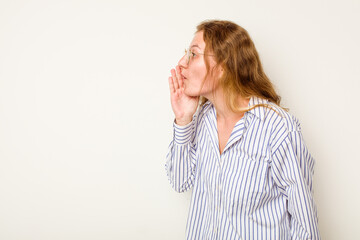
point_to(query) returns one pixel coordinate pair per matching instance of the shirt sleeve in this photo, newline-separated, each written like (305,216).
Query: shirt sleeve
(181,157)
(293,168)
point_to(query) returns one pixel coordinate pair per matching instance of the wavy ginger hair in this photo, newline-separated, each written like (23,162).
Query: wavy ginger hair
(235,52)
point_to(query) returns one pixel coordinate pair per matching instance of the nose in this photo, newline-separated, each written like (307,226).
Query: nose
(183,61)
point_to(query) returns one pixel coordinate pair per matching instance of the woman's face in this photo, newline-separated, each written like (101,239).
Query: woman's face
(194,71)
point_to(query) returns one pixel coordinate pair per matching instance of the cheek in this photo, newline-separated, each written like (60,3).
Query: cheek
(198,73)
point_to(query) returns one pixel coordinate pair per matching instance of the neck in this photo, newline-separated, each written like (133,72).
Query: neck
(223,112)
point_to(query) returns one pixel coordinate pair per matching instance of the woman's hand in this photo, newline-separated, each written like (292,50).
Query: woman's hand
(183,106)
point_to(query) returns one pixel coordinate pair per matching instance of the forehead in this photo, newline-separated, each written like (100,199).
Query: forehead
(198,41)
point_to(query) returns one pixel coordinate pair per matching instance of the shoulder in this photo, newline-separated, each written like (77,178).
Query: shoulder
(274,115)
(288,120)
(279,123)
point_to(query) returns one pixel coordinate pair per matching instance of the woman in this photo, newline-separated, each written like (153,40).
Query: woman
(243,155)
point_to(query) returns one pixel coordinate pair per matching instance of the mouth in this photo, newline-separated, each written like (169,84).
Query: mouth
(183,77)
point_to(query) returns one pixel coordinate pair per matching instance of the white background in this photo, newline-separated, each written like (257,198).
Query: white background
(85,118)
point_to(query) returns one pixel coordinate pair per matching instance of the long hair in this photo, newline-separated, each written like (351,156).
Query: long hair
(235,52)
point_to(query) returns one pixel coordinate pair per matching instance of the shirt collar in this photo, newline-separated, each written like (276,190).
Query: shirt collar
(259,112)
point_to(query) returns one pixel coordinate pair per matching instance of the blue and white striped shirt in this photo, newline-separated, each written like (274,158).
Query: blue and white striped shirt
(260,187)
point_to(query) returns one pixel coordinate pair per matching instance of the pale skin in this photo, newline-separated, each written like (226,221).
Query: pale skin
(187,83)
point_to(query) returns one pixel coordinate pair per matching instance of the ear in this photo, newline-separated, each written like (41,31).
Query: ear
(220,71)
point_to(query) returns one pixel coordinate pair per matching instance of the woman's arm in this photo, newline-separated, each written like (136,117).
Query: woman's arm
(181,157)
(293,168)
(180,164)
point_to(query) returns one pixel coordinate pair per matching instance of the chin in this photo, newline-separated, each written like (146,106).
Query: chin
(190,93)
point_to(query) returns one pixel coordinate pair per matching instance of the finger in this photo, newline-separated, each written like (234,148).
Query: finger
(175,79)
(171,85)
(179,76)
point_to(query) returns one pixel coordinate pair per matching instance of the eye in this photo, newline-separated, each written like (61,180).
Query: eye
(192,54)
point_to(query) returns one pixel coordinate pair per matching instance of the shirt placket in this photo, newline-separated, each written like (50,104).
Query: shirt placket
(218,195)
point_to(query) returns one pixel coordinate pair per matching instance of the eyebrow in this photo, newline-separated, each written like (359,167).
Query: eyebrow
(195,45)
